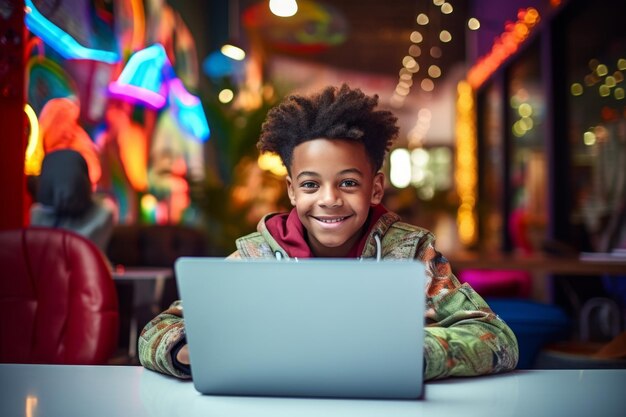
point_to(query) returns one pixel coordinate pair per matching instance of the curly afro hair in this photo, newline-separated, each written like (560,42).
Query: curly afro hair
(335,113)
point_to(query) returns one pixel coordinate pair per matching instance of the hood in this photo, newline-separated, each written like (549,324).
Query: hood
(290,234)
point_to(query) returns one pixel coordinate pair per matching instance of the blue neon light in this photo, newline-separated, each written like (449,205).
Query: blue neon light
(61,41)
(188,110)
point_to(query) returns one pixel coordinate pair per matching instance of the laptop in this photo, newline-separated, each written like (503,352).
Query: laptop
(309,328)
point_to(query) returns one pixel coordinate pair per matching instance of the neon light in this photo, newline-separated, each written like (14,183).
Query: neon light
(61,41)
(189,111)
(183,97)
(34,150)
(136,95)
(133,151)
(142,79)
(35,42)
(139,24)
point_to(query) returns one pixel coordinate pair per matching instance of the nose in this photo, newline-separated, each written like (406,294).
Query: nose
(330,197)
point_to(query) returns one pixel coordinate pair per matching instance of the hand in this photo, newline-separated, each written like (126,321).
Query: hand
(183,355)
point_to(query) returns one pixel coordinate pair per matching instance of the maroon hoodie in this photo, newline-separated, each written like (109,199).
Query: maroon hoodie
(291,235)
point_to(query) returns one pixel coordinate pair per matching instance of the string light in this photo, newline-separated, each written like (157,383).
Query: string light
(473,24)
(466,163)
(422,19)
(504,46)
(416,37)
(411,66)
(434,71)
(446,8)
(225,96)
(415,51)
(607,82)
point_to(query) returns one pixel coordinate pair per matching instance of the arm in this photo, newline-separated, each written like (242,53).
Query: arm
(160,337)
(464,337)
(162,343)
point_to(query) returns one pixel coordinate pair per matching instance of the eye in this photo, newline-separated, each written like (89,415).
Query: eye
(308,185)
(349,183)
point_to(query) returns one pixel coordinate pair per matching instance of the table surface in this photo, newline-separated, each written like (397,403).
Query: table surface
(538,263)
(68,390)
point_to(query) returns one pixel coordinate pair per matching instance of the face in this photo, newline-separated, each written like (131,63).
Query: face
(332,185)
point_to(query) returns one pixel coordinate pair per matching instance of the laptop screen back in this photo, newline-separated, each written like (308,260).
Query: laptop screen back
(329,328)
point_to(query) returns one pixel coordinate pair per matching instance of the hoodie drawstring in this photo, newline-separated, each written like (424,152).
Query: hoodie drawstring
(379,247)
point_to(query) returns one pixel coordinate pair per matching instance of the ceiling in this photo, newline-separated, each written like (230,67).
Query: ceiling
(378,35)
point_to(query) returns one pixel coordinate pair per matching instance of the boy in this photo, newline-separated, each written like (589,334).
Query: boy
(333,145)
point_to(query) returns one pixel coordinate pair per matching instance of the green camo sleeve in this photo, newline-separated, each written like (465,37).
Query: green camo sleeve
(468,339)
(158,338)
(464,336)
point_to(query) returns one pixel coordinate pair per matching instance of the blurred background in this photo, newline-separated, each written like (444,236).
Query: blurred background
(512,119)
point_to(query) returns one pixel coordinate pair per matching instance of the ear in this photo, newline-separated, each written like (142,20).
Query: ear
(290,191)
(378,188)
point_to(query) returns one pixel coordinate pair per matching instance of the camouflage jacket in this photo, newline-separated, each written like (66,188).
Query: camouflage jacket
(463,335)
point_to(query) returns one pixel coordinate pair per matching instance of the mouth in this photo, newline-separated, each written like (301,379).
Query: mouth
(330,220)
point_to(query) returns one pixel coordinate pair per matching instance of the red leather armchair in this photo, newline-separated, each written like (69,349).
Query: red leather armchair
(58,302)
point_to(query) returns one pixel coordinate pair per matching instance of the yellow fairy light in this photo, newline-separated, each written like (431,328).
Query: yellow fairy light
(446,8)
(473,23)
(576,89)
(466,166)
(416,37)
(602,70)
(226,96)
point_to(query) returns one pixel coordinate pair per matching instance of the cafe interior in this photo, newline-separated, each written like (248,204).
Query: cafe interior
(512,151)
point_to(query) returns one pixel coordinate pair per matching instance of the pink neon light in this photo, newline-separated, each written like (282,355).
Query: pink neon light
(136,94)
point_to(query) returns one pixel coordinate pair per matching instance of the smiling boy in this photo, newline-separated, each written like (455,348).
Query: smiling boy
(332,189)
(333,145)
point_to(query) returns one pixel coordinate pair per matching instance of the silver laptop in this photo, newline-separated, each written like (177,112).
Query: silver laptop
(313,328)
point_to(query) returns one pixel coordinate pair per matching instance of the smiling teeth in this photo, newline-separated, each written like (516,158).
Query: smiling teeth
(331,220)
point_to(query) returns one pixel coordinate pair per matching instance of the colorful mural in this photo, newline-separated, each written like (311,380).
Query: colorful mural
(87,91)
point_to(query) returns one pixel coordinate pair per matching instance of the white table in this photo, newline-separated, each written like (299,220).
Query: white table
(148,284)
(67,391)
